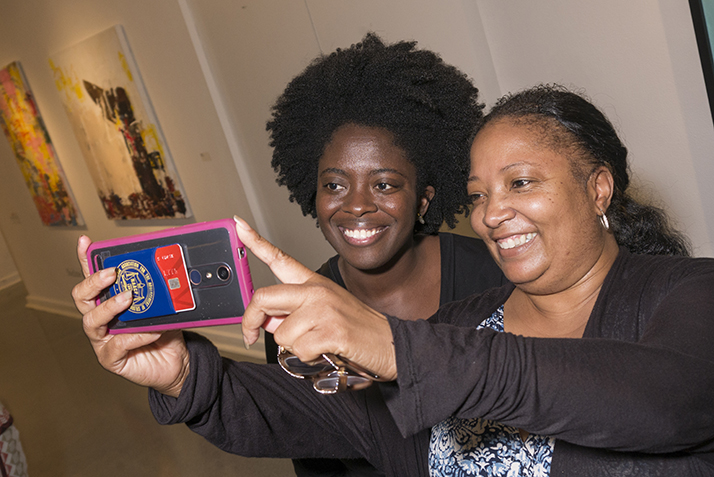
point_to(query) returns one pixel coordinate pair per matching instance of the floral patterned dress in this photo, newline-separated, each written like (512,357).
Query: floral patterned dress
(478,447)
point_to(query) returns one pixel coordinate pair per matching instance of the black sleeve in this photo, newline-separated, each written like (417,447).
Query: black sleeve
(260,411)
(653,395)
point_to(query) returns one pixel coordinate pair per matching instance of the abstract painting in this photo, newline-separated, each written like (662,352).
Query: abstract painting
(31,144)
(114,122)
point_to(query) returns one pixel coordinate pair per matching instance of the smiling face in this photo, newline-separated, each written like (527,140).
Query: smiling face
(539,222)
(366,197)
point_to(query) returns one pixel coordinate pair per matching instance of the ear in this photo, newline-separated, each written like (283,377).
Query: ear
(425,200)
(601,186)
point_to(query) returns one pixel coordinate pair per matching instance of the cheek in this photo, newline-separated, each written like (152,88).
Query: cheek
(541,210)
(476,221)
(400,209)
(325,207)
(398,205)
(546,208)
(573,211)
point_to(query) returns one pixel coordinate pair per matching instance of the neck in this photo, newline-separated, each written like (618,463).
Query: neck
(391,275)
(563,314)
(412,276)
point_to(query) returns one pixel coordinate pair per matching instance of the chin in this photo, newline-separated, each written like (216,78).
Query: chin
(522,276)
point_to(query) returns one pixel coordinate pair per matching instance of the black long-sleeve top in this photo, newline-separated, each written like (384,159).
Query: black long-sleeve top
(635,396)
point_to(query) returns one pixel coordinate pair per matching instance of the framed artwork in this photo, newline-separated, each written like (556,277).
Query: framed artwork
(114,122)
(23,126)
(703,18)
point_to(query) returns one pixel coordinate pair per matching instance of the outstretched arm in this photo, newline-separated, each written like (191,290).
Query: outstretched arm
(642,381)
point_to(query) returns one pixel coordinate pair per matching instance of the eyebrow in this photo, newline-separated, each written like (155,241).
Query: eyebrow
(335,170)
(503,169)
(332,170)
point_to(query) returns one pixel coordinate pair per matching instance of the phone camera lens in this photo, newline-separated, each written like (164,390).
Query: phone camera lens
(223,272)
(195,277)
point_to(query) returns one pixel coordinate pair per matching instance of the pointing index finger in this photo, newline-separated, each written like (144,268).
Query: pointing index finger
(285,267)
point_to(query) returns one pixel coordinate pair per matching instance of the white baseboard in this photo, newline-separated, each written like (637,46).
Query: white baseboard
(52,306)
(227,339)
(9,280)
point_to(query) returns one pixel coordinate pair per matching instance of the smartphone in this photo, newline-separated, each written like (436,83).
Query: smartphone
(182,277)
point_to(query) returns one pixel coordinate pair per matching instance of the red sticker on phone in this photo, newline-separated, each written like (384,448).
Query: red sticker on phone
(172,264)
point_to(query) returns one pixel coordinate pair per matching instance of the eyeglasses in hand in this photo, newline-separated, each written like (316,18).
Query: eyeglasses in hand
(330,374)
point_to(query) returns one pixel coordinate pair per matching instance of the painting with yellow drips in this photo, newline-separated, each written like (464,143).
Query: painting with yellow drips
(31,144)
(114,122)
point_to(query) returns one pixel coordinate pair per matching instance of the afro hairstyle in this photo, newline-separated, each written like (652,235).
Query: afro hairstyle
(430,108)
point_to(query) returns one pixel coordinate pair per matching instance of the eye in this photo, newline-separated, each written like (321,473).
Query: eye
(475,197)
(521,183)
(332,186)
(383,186)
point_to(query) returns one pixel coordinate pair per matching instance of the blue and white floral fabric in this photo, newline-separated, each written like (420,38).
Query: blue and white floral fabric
(478,447)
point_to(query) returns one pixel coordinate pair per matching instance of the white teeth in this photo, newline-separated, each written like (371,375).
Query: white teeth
(515,241)
(360,234)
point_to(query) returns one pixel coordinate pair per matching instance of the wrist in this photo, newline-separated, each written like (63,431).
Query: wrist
(173,389)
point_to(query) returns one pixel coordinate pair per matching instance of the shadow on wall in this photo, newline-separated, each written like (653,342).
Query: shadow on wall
(8,272)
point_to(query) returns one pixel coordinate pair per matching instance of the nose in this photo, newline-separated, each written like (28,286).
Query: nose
(496,211)
(358,201)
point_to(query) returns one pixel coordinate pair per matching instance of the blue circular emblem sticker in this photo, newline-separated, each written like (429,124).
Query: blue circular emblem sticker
(133,275)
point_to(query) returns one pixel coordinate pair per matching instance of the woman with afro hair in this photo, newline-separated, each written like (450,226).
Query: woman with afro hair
(373,141)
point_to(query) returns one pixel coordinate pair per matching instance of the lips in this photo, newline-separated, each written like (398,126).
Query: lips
(361,234)
(515,241)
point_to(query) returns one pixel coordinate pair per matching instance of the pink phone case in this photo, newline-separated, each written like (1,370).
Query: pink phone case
(209,248)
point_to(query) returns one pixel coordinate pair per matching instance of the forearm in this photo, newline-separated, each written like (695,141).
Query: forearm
(592,392)
(259,410)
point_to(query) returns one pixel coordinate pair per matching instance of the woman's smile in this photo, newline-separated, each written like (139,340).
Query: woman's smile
(515,241)
(361,236)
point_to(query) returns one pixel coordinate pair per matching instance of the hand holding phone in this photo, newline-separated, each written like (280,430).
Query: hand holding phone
(183,277)
(157,360)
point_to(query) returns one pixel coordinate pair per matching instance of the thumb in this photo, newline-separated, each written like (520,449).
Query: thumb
(82,245)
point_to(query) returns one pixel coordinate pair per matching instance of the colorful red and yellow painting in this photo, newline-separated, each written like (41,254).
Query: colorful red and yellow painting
(110,112)
(23,126)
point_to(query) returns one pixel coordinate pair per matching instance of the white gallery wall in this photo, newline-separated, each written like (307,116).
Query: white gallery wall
(8,272)
(213,68)
(33,30)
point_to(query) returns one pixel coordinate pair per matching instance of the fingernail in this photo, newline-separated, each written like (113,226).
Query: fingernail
(245,343)
(125,297)
(107,272)
(240,223)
